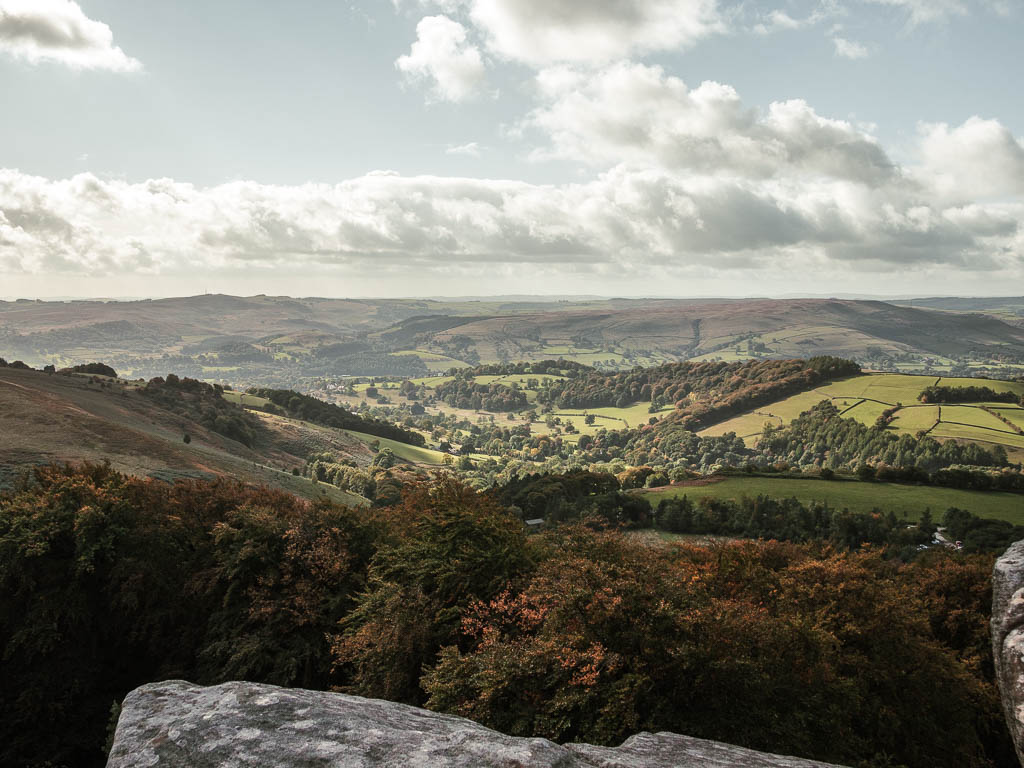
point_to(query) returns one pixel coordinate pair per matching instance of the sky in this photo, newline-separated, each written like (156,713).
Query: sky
(480,147)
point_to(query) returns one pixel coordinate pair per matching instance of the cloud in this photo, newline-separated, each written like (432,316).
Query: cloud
(638,114)
(442,56)
(627,220)
(978,159)
(540,32)
(849,49)
(927,11)
(941,11)
(59,31)
(472,149)
(779,20)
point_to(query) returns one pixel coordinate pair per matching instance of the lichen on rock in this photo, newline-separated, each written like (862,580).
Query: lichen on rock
(176,724)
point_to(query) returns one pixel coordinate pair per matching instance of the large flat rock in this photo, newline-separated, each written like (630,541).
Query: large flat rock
(1008,638)
(175,724)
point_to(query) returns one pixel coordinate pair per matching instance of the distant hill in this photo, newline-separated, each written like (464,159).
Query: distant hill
(282,342)
(968,304)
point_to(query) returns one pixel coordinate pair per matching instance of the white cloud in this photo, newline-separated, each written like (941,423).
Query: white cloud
(471,149)
(849,49)
(779,20)
(980,158)
(938,11)
(626,220)
(540,32)
(58,30)
(926,11)
(638,114)
(442,56)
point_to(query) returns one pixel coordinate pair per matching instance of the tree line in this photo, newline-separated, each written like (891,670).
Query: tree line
(972,394)
(299,406)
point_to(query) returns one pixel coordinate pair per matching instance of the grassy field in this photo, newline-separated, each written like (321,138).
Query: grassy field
(973,416)
(916,418)
(905,500)
(431,381)
(247,401)
(866,411)
(865,397)
(402,450)
(1016,415)
(434,361)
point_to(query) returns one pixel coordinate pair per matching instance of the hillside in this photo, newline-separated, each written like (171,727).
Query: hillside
(287,343)
(56,418)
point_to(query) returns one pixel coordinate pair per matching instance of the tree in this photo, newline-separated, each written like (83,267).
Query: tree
(460,548)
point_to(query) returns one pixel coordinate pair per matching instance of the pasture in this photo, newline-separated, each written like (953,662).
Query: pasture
(865,397)
(401,450)
(906,501)
(244,400)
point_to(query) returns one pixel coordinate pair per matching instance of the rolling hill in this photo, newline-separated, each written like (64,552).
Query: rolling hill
(286,342)
(71,418)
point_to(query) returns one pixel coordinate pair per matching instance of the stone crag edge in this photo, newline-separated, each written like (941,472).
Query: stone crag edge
(175,724)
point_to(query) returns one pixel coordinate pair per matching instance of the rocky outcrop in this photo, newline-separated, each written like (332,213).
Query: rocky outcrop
(176,724)
(1008,638)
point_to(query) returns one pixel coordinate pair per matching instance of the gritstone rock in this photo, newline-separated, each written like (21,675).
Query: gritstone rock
(1008,638)
(176,724)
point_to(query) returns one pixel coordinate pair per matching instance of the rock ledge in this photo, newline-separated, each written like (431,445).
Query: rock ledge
(1008,638)
(176,724)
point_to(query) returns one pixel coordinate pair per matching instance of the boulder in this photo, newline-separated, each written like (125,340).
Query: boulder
(1008,638)
(175,724)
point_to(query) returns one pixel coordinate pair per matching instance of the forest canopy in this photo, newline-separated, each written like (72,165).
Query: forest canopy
(107,582)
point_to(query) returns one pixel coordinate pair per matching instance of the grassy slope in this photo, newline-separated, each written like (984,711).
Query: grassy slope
(857,496)
(67,418)
(402,450)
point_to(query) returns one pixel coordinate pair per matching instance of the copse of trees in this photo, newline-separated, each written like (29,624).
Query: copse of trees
(97,369)
(978,534)
(762,517)
(721,386)
(326,468)
(464,392)
(820,436)
(203,403)
(971,394)
(300,406)
(572,496)
(567,368)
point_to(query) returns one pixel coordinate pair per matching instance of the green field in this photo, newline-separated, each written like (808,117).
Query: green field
(1014,414)
(402,450)
(866,412)
(241,398)
(434,361)
(431,381)
(973,416)
(858,496)
(916,418)
(865,397)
